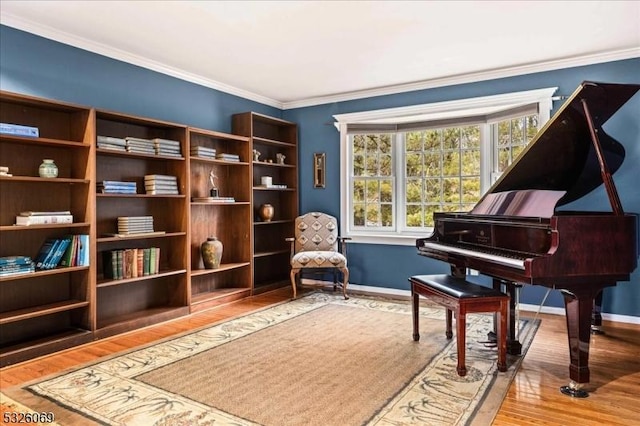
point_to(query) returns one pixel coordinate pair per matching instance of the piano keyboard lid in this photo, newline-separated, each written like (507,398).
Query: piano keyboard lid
(561,157)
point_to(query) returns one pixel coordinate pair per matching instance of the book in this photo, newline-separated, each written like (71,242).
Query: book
(83,252)
(111,141)
(43,219)
(157,178)
(134,234)
(60,248)
(213,199)
(36,213)
(15,260)
(19,130)
(110,264)
(146,254)
(46,252)
(69,256)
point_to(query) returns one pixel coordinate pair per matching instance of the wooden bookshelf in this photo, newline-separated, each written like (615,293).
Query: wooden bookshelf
(271,136)
(134,302)
(48,310)
(229,222)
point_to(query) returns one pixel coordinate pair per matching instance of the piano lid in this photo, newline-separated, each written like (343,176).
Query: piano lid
(561,157)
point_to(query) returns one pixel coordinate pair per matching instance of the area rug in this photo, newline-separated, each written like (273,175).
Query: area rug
(317,360)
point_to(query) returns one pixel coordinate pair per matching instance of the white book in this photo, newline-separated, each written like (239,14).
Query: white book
(38,213)
(43,220)
(166,178)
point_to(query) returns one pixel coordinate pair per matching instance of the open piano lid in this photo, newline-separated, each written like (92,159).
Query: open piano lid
(561,157)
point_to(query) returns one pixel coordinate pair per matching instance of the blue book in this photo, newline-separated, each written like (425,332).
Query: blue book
(83,250)
(15,260)
(45,250)
(61,247)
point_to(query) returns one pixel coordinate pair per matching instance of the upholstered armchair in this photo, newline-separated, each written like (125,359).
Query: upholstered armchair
(317,247)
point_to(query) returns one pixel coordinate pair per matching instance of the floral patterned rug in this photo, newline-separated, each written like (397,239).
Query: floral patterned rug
(146,386)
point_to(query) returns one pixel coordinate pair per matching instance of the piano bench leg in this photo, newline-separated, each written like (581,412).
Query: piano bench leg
(449,332)
(461,328)
(415,298)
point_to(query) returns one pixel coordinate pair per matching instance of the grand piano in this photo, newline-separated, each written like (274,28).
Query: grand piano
(517,235)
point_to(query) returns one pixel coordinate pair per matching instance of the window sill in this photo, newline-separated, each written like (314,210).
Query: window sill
(386,239)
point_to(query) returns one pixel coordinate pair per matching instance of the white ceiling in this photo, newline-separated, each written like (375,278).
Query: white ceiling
(297,53)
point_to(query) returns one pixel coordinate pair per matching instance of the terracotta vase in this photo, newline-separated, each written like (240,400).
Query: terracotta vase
(266,212)
(211,251)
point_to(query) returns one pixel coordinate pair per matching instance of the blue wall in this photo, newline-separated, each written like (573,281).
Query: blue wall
(36,66)
(40,67)
(390,266)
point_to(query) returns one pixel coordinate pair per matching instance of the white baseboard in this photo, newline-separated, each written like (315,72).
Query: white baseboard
(383,291)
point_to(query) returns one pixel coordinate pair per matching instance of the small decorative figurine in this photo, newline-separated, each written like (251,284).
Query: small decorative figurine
(256,155)
(213,192)
(280,158)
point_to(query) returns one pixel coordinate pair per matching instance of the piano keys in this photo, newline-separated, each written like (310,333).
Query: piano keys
(517,235)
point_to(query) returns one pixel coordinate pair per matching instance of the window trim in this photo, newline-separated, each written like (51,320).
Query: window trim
(438,111)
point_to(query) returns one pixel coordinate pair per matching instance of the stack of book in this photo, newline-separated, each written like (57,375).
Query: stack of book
(203,151)
(16,265)
(44,218)
(140,146)
(108,142)
(227,157)
(130,225)
(117,187)
(161,184)
(167,147)
(131,263)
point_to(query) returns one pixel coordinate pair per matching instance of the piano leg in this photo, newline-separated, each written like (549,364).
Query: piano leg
(578,306)
(596,316)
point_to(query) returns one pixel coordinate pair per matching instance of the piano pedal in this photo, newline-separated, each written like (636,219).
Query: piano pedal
(574,390)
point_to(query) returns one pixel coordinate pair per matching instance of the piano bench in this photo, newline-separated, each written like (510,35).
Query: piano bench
(461,296)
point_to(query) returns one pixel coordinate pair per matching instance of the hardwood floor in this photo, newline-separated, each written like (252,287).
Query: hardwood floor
(533,398)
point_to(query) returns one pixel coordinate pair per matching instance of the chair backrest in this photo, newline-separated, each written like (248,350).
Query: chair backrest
(316,231)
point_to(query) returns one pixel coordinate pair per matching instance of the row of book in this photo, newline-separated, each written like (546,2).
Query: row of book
(161,185)
(130,263)
(157,146)
(16,265)
(117,187)
(27,218)
(71,250)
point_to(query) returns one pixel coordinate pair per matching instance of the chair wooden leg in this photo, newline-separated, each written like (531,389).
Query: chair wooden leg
(292,275)
(345,273)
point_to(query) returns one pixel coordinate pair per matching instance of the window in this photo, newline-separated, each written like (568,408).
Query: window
(401,165)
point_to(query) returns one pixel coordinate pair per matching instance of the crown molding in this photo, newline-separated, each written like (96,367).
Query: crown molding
(13,21)
(470,78)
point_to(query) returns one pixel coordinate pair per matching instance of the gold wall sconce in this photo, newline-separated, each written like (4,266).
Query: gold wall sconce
(319,168)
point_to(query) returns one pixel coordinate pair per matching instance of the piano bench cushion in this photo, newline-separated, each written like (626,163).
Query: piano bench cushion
(456,287)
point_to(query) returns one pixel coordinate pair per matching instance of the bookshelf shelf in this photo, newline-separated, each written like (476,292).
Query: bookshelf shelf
(41,310)
(107,282)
